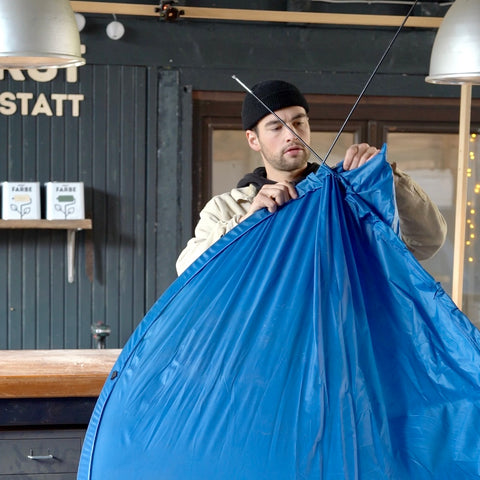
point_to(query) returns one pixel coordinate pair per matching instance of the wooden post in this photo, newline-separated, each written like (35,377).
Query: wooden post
(461,200)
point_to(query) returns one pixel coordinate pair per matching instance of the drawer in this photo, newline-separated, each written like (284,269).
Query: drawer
(40,452)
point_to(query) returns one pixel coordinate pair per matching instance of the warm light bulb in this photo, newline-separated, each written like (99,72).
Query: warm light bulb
(470,259)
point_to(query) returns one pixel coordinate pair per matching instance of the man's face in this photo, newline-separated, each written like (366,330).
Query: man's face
(281,150)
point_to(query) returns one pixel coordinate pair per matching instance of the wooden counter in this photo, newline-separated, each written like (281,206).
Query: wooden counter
(54,373)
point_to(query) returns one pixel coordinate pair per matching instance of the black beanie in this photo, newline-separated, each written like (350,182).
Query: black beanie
(276,94)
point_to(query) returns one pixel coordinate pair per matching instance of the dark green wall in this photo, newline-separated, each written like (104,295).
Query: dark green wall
(131,146)
(125,146)
(319,58)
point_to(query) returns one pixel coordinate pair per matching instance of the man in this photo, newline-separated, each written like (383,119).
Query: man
(285,159)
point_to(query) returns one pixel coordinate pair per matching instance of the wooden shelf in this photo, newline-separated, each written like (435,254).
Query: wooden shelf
(85,224)
(71,226)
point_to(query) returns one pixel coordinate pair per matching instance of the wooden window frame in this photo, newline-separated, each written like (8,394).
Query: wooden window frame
(372,120)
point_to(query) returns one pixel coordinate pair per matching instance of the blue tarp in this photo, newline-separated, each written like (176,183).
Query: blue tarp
(305,344)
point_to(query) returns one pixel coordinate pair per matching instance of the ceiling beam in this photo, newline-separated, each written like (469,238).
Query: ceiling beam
(245,15)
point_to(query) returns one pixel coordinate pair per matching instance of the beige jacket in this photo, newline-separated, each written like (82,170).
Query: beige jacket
(422,226)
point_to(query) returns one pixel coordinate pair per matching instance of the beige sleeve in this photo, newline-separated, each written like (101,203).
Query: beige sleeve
(422,226)
(218,217)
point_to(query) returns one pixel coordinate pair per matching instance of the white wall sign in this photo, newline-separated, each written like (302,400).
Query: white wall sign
(29,104)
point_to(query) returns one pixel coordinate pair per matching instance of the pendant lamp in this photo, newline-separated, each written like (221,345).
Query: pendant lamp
(455,57)
(38,34)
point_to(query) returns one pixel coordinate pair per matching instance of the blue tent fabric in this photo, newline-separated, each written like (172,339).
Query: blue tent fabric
(305,344)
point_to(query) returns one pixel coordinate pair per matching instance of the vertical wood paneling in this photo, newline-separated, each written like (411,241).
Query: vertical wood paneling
(170,134)
(43,290)
(100,195)
(114,227)
(4,271)
(112,148)
(14,329)
(28,289)
(133,231)
(151,224)
(57,291)
(141,154)
(86,239)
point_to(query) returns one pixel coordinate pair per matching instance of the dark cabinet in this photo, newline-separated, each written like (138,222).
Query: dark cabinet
(43,454)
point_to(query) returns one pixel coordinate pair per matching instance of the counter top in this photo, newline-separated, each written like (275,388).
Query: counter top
(54,373)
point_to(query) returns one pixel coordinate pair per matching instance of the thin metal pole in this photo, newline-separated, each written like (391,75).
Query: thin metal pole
(370,80)
(354,105)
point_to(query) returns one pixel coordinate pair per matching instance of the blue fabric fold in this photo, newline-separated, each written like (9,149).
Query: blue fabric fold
(305,344)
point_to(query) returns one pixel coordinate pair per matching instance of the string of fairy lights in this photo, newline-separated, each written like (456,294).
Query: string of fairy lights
(470,233)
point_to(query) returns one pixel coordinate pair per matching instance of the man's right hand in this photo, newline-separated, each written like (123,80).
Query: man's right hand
(272,196)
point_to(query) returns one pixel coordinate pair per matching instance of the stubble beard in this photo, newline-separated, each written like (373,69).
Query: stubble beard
(286,163)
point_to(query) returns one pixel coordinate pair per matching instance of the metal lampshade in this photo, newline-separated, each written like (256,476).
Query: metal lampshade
(455,55)
(38,34)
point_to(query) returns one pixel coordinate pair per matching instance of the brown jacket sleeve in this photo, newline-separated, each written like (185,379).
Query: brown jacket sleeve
(423,227)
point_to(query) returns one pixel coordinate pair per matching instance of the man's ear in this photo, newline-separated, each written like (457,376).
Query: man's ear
(252,140)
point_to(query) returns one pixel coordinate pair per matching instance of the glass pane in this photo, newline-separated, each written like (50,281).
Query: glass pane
(431,160)
(233,158)
(322,141)
(471,283)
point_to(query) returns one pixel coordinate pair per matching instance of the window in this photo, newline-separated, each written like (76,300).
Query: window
(422,138)
(430,159)
(232,158)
